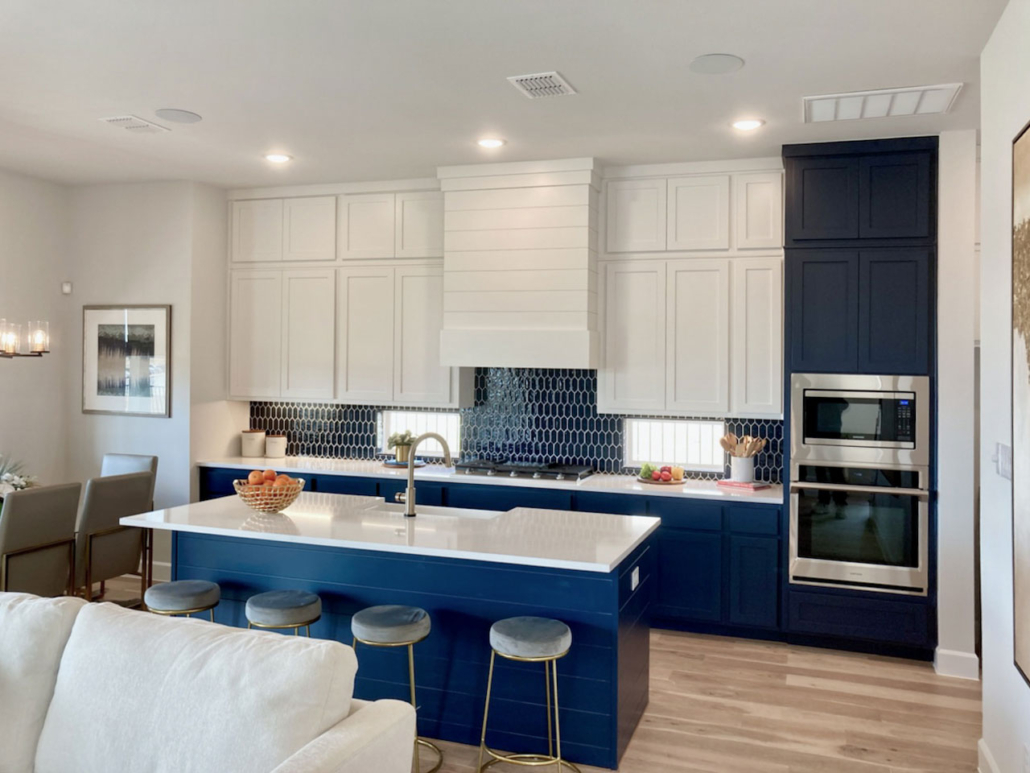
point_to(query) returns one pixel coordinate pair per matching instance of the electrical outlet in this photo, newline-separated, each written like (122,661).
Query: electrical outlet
(634,581)
(1003,458)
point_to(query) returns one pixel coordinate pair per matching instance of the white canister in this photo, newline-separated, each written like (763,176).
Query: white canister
(252,443)
(742,469)
(275,446)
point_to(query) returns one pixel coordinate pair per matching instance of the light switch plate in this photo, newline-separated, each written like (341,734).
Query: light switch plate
(634,578)
(1003,459)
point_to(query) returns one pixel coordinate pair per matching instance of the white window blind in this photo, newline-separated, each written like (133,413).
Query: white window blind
(690,444)
(417,422)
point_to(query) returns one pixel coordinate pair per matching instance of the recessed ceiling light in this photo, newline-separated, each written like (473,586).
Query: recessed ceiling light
(749,125)
(177,116)
(716,64)
(278,158)
(490,143)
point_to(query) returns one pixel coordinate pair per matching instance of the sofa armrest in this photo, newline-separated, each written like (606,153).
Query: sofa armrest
(375,736)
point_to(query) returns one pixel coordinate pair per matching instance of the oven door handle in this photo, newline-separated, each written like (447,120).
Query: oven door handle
(896,492)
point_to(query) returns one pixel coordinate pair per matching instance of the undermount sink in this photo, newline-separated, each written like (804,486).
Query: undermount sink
(388,508)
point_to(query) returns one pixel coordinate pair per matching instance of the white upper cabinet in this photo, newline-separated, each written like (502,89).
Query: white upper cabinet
(632,377)
(757,347)
(635,215)
(308,333)
(309,228)
(364,335)
(699,213)
(759,216)
(255,326)
(365,225)
(257,231)
(419,224)
(418,377)
(698,337)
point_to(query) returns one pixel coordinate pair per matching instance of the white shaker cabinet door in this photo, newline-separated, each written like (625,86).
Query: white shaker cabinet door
(255,333)
(257,231)
(632,377)
(309,333)
(635,216)
(759,210)
(419,224)
(365,226)
(757,346)
(418,377)
(364,335)
(309,228)
(698,337)
(699,213)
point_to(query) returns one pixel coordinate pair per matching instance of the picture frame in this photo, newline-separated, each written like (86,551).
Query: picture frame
(126,360)
(1020,369)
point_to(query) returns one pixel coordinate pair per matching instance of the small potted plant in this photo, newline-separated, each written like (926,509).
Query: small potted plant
(12,478)
(400,442)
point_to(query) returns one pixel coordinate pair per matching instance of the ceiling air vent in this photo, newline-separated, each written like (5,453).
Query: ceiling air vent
(542,84)
(882,103)
(135,125)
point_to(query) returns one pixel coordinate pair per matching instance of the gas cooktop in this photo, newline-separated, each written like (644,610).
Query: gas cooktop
(534,470)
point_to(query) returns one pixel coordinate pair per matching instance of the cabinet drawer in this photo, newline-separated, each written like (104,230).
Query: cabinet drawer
(898,622)
(754,520)
(343,484)
(619,504)
(478,497)
(686,514)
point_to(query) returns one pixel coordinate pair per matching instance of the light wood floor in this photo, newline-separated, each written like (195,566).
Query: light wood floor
(721,705)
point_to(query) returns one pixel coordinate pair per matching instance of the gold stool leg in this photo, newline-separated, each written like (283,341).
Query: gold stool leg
(486,711)
(212,611)
(414,705)
(557,728)
(547,692)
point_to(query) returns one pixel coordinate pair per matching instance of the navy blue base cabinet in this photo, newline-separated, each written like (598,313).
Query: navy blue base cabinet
(603,685)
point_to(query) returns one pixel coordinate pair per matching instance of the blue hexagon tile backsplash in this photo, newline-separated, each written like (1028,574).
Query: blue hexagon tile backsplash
(521,414)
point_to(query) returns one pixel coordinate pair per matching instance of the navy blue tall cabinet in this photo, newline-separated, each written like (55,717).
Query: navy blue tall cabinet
(860,297)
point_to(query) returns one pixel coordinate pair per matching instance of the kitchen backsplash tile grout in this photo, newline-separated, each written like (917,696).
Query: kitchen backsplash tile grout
(522,414)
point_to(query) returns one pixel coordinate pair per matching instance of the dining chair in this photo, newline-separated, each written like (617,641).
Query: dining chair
(123,464)
(104,548)
(37,540)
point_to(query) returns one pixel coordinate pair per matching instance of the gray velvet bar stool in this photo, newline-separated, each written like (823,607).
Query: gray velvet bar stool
(284,609)
(529,640)
(397,626)
(183,597)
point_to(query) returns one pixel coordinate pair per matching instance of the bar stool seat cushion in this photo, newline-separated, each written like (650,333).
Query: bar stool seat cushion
(391,624)
(283,608)
(530,637)
(182,595)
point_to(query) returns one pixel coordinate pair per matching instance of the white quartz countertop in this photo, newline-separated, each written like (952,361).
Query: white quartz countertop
(601,484)
(557,539)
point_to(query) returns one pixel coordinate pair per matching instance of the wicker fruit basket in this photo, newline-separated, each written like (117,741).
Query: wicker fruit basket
(269,499)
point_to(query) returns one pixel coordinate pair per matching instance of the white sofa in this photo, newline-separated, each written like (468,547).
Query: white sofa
(94,688)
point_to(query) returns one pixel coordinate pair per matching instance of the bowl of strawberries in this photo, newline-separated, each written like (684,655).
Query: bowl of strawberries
(268,492)
(667,475)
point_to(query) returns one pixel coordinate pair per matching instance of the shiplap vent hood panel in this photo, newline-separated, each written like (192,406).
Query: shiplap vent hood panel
(882,103)
(542,84)
(520,264)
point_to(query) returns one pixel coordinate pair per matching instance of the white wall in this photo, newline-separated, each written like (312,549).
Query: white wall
(1005,108)
(956,614)
(33,246)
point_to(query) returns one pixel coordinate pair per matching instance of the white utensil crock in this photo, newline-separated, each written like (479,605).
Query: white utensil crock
(742,469)
(275,446)
(252,443)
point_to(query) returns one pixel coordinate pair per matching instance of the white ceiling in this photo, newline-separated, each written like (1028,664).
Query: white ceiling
(383,89)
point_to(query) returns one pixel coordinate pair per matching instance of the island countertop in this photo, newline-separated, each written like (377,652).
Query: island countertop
(599,483)
(591,542)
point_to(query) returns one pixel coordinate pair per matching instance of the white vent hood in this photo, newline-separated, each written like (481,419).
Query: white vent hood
(520,264)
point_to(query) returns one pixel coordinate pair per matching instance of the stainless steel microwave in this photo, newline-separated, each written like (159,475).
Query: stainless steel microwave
(860,420)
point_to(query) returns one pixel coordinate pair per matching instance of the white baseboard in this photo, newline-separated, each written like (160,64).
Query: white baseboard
(987,763)
(963,665)
(162,571)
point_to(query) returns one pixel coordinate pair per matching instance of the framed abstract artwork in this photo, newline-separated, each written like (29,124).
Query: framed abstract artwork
(126,360)
(1021,400)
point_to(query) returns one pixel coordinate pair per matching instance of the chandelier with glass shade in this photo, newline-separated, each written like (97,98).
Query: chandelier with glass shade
(30,340)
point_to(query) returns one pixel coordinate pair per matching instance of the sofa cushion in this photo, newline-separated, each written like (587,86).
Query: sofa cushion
(138,691)
(33,633)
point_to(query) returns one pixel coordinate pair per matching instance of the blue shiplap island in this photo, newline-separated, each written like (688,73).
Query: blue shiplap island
(467,568)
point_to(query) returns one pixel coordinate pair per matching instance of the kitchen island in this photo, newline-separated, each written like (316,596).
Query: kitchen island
(467,568)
